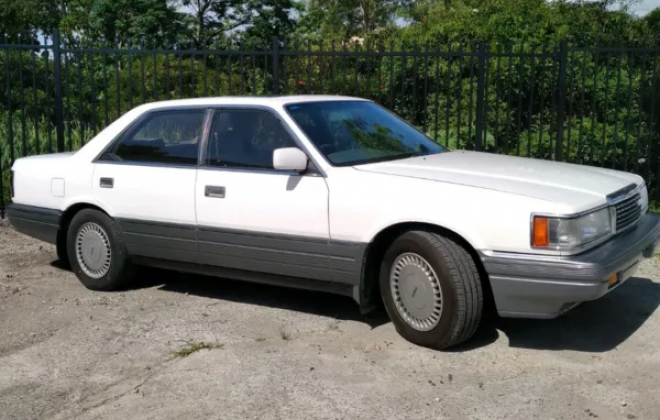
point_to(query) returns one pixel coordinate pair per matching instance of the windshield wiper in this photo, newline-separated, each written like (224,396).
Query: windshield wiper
(384,158)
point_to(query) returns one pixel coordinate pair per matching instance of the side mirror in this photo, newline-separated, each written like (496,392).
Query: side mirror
(289,159)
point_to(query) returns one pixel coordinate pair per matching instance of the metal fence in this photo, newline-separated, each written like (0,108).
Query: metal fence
(579,103)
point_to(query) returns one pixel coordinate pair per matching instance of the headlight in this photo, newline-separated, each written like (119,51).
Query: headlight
(571,234)
(644,199)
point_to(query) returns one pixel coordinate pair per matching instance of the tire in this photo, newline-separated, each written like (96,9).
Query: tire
(103,263)
(61,250)
(441,268)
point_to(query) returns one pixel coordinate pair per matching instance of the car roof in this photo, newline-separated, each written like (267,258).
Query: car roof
(248,100)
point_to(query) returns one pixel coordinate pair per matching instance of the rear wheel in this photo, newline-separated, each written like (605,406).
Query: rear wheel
(61,249)
(431,289)
(96,251)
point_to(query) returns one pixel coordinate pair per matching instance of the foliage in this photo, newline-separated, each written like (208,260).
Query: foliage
(610,104)
(527,21)
(254,19)
(347,18)
(122,19)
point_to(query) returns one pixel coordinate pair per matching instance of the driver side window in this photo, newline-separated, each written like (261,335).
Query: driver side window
(245,139)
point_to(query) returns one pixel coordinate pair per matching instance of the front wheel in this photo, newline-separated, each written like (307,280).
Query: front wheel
(96,251)
(431,289)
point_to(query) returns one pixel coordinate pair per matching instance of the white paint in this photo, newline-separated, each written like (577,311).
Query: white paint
(264,202)
(57,187)
(157,194)
(486,198)
(578,187)
(290,159)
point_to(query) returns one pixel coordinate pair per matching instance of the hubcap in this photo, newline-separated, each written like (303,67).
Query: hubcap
(416,291)
(93,250)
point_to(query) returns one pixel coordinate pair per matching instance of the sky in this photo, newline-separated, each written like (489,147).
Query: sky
(645,6)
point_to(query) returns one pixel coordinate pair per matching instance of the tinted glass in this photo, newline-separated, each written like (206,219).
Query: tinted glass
(357,132)
(246,139)
(163,137)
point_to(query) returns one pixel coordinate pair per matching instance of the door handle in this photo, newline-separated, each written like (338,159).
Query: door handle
(107,182)
(214,192)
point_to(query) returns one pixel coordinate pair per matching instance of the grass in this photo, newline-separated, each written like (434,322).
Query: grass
(194,347)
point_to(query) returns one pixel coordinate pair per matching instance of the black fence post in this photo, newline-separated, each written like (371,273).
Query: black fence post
(481,91)
(276,66)
(57,82)
(561,93)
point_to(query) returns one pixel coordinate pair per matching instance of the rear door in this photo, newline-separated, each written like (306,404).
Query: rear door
(147,182)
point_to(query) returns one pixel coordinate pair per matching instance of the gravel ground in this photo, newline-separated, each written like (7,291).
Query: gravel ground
(273,353)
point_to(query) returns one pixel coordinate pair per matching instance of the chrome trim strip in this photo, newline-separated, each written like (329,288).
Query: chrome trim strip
(265,171)
(203,141)
(150,164)
(622,194)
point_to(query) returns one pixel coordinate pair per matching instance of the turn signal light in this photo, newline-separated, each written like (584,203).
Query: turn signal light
(612,279)
(540,236)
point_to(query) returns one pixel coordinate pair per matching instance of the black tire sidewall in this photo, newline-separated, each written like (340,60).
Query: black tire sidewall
(119,262)
(441,333)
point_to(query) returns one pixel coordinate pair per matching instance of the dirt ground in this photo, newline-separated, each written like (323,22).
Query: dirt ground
(180,346)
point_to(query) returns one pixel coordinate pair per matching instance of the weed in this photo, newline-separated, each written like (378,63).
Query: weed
(193,347)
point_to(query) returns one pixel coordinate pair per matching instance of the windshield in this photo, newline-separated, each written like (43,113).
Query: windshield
(358,132)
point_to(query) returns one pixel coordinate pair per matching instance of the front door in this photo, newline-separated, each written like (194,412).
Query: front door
(147,182)
(251,216)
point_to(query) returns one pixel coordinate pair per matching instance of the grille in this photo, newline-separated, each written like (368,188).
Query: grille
(627,212)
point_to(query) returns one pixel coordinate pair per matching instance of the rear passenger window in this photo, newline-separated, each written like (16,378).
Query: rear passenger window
(169,137)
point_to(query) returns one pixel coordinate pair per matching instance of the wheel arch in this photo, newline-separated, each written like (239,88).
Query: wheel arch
(65,220)
(369,289)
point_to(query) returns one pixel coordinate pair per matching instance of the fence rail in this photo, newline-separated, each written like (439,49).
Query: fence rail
(586,104)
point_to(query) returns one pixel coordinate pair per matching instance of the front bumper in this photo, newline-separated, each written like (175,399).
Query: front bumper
(539,286)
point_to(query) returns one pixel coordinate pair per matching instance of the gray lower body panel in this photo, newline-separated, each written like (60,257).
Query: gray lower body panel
(302,262)
(534,286)
(39,223)
(282,255)
(160,240)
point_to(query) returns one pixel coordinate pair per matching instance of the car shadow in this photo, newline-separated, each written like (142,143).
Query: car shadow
(596,326)
(316,303)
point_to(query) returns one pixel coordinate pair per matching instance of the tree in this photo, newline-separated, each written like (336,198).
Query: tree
(208,19)
(119,19)
(345,18)
(652,21)
(23,15)
(520,20)
(275,18)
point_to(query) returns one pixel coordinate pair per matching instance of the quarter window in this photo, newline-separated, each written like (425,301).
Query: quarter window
(246,139)
(168,137)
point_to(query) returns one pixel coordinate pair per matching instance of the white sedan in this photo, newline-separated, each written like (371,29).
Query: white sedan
(336,194)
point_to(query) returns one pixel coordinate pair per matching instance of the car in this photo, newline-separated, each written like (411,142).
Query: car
(336,194)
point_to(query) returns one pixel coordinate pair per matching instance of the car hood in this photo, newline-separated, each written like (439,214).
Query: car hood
(580,187)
